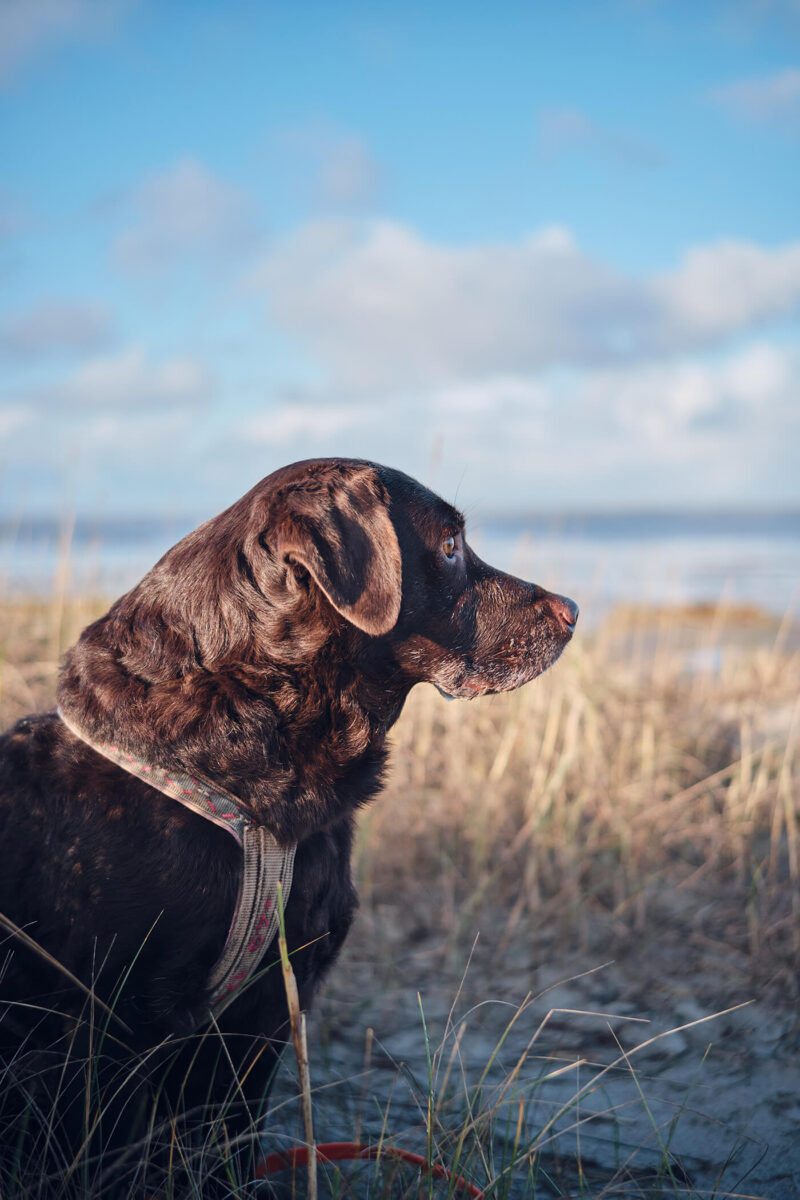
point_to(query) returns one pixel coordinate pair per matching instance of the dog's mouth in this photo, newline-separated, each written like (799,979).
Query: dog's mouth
(473,690)
(469,691)
(499,677)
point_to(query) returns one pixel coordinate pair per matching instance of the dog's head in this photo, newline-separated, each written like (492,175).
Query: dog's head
(370,545)
(272,648)
(463,625)
(330,579)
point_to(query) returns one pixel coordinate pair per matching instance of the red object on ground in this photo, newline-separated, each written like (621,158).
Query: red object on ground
(297,1156)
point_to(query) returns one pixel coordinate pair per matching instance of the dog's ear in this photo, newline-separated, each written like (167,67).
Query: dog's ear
(337,526)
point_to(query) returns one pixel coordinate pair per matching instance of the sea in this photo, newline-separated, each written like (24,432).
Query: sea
(600,559)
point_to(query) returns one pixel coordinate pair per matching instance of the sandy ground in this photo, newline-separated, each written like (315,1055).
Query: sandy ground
(656,1064)
(627,1070)
(638,1080)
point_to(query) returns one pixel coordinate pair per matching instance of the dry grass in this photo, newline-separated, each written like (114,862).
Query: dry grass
(649,780)
(33,635)
(643,795)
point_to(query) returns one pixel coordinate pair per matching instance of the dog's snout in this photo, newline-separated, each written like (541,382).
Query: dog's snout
(565,609)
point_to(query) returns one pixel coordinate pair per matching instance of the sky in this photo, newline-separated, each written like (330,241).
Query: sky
(542,255)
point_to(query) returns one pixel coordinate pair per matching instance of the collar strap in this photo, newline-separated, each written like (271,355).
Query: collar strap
(265,864)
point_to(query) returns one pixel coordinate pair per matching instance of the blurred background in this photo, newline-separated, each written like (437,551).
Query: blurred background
(544,257)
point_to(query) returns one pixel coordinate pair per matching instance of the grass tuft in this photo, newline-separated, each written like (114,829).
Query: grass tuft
(640,802)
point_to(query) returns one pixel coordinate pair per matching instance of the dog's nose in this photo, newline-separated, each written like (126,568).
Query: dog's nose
(565,609)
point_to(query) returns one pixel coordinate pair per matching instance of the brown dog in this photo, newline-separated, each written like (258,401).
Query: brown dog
(270,652)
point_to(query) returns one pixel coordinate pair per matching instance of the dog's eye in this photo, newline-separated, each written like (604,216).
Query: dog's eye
(449,547)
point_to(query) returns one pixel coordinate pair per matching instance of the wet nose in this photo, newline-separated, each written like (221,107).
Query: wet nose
(565,609)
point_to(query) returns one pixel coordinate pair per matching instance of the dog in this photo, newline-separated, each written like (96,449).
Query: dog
(269,652)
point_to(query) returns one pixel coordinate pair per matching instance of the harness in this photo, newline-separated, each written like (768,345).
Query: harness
(265,864)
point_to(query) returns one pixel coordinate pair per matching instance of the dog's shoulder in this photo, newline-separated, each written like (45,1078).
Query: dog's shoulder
(99,864)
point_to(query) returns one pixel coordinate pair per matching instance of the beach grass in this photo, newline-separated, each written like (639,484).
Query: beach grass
(641,799)
(650,776)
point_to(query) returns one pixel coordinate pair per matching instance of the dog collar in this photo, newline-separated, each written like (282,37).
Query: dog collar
(265,864)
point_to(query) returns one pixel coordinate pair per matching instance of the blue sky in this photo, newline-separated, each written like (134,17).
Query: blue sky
(541,255)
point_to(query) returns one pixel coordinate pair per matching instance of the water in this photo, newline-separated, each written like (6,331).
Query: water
(655,558)
(102,555)
(600,559)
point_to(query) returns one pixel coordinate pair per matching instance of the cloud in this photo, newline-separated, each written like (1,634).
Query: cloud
(661,403)
(381,305)
(567,129)
(185,214)
(29,27)
(725,288)
(12,418)
(725,427)
(129,381)
(53,326)
(383,308)
(770,99)
(349,175)
(669,431)
(745,18)
(312,423)
(662,432)
(125,435)
(331,167)
(683,392)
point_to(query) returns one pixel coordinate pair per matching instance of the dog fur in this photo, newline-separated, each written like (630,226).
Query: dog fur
(271,651)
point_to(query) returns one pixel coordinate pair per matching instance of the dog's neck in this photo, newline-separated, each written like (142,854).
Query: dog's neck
(302,745)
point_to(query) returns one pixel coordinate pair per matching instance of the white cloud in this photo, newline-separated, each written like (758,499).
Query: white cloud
(12,418)
(311,423)
(721,428)
(129,380)
(727,287)
(772,98)
(382,308)
(567,129)
(184,214)
(28,27)
(334,168)
(743,16)
(672,400)
(762,374)
(502,392)
(683,429)
(348,174)
(56,325)
(123,434)
(656,432)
